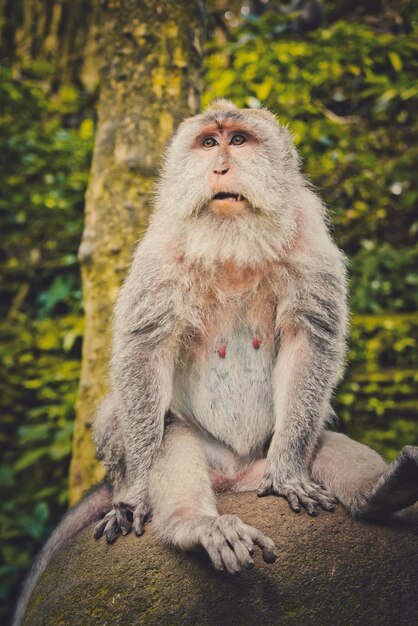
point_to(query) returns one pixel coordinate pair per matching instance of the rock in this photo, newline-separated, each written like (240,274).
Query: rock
(330,570)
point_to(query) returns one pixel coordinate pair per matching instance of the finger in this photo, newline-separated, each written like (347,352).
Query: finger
(122,519)
(264,543)
(98,531)
(229,558)
(241,552)
(247,541)
(215,557)
(213,552)
(264,489)
(328,506)
(234,541)
(309,505)
(111,529)
(323,491)
(329,495)
(293,501)
(323,497)
(99,528)
(138,522)
(313,485)
(323,501)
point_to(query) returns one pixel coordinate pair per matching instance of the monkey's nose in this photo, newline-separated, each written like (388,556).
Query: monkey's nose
(221,170)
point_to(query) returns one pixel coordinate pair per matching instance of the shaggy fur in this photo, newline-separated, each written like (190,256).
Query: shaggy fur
(229,338)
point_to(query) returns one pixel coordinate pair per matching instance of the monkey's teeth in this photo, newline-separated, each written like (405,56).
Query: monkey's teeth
(224,195)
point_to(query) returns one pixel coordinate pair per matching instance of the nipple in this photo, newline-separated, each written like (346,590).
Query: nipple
(222,352)
(256,342)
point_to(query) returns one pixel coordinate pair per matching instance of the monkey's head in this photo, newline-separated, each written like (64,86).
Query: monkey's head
(231,189)
(229,163)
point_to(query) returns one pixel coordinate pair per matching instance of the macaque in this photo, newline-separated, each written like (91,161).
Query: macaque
(229,339)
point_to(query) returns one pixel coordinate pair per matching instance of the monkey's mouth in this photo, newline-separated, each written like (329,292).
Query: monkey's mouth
(228,204)
(226,195)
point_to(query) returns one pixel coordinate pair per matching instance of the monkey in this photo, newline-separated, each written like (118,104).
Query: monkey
(229,339)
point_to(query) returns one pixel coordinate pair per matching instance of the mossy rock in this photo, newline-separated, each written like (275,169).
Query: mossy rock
(330,570)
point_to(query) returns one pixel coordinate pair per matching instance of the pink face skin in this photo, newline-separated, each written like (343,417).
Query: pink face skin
(222,146)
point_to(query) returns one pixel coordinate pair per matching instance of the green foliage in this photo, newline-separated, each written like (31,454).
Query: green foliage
(44,162)
(39,367)
(348,94)
(46,143)
(384,278)
(377,402)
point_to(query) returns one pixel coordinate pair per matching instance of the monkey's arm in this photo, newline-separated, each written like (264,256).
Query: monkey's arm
(144,350)
(311,322)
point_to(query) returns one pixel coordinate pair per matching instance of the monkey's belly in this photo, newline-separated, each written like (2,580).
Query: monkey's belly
(228,391)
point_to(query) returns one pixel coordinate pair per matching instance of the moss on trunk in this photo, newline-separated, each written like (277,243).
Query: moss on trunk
(150,81)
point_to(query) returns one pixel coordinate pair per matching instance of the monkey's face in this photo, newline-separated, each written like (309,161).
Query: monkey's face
(230,163)
(224,147)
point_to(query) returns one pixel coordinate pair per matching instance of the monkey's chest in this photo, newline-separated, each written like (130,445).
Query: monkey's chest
(224,385)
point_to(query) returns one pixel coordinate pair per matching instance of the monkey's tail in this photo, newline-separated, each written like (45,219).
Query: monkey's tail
(92,507)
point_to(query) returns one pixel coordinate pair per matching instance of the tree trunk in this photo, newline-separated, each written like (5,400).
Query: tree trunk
(150,81)
(61,32)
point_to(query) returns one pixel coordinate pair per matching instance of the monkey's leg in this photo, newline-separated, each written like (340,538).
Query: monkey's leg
(362,481)
(184,506)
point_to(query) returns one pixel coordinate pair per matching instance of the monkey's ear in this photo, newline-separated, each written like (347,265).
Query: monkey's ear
(220,104)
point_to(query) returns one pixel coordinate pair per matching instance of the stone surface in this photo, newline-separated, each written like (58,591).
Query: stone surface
(330,570)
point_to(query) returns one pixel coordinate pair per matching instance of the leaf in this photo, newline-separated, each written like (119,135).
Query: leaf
(30,458)
(396,61)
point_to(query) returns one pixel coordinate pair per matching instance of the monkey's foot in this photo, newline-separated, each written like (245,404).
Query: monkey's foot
(123,518)
(396,489)
(299,493)
(229,542)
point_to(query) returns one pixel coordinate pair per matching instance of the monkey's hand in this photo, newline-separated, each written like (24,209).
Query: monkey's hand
(123,518)
(229,542)
(299,492)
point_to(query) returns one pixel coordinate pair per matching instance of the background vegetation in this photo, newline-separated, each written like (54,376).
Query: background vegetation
(46,141)
(348,92)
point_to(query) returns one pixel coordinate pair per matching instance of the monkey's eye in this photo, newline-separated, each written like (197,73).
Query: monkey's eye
(238,140)
(209,142)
